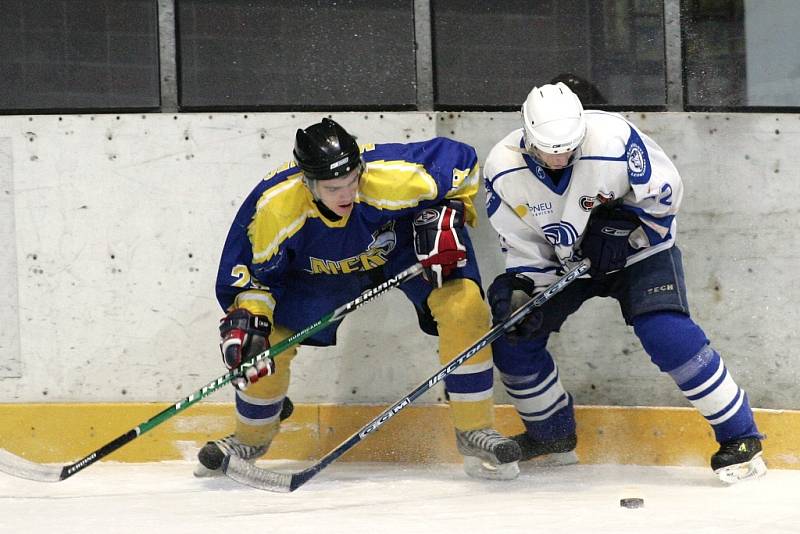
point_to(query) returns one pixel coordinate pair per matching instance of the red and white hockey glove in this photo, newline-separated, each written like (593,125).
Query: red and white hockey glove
(245,335)
(439,240)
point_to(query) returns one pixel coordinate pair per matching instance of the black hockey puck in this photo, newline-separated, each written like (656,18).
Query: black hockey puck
(632,502)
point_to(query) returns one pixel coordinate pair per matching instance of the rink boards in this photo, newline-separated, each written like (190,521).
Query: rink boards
(113,226)
(418,434)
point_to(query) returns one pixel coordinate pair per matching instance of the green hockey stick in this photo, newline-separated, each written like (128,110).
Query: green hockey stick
(17,466)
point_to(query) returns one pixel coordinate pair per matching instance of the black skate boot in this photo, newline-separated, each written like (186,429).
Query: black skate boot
(739,459)
(211,455)
(213,452)
(287,409)
(559,451)
(488,454)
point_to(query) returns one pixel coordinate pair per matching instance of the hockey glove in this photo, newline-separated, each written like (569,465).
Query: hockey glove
(245,335)
(606,242)
(508,292)
(439,240)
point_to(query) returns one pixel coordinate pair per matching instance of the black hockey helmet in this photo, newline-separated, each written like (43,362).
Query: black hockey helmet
(326,151)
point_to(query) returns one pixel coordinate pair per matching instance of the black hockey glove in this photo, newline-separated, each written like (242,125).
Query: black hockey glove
(508,292)
(439,240)
(245,335)
(606,242)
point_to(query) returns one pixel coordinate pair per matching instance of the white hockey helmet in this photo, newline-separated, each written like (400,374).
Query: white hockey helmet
(553,119)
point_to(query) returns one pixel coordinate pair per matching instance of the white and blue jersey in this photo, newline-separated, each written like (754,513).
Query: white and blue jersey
(541,221)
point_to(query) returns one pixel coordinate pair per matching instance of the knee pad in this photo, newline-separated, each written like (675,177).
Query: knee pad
(669,338)
(459,303)
(461,316)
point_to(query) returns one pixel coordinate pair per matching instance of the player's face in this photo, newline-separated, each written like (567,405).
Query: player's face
(554,161)
(339,194)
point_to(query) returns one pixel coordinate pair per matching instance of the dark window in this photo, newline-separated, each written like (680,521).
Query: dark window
(78,55)
(489,55)
(284,54)
(741,55)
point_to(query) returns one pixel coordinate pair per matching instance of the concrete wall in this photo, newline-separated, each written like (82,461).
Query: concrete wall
(112,227)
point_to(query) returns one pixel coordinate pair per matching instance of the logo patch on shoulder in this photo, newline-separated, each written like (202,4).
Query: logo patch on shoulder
(637,165)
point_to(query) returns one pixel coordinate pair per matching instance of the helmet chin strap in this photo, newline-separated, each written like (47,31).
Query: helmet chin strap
(312,186)
(323,208)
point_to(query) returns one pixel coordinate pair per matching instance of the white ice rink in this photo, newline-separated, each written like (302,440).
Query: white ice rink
(387,498)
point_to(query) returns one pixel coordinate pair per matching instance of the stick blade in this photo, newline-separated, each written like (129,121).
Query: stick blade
(20,467)
(248,474)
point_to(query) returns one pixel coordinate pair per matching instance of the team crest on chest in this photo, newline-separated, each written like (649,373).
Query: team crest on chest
(561,233)
(383,242)
(384,239)
(587,203)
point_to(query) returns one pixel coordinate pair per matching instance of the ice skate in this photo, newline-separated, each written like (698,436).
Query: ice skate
(211,455)
(487,454)
(547,453)
(738,460)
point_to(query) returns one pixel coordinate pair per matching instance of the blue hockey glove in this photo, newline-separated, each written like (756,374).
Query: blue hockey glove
(606,242)
(439,240)
(508,292)
(245,335)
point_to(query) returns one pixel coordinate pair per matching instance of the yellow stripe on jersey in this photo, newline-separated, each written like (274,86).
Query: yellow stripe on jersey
(396,185)
(465,186)
(284,167)
(256,301)
(292,182)
(280,213)
(521,211)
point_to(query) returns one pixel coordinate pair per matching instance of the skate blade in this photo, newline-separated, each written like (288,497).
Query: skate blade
(477,468)
(751,470)
(201,471)
(554,459)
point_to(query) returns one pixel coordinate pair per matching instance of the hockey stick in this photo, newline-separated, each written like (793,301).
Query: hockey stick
(17,466)
(247,473)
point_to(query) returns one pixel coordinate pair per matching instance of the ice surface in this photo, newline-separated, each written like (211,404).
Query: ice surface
(164,497)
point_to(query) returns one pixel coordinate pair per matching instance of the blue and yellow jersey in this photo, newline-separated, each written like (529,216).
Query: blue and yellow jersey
(280,245)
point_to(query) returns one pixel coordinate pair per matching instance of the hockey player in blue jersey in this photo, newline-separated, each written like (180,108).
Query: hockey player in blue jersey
(317,232)
(573,184)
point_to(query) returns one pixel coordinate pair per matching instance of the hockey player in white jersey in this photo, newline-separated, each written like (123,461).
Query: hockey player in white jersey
(573,184)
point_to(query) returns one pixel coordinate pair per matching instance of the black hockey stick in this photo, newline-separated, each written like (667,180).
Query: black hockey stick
(247,473)
(17,466)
